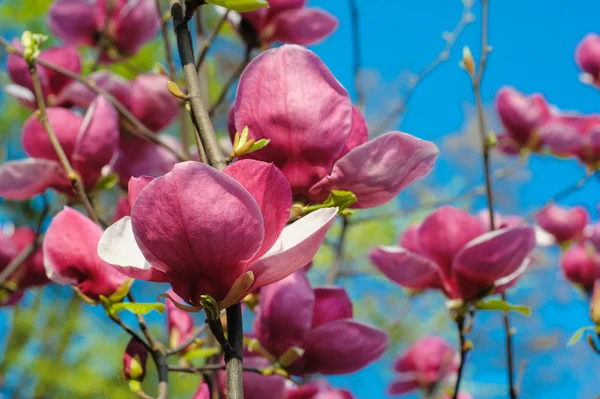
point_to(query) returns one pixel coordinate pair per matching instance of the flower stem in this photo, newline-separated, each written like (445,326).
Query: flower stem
(460,324)
(73,176)
(233,363)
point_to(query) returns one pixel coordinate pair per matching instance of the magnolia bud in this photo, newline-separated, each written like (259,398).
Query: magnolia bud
(134,360)
(467,61)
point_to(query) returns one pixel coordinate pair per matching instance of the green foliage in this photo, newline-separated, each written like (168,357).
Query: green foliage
(240,5)
(499,304)
(29,13)
(579,334)
(138,308)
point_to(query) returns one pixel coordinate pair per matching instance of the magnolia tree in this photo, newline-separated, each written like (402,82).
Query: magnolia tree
(230,224)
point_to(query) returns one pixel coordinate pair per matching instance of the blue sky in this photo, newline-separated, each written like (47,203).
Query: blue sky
(533,45)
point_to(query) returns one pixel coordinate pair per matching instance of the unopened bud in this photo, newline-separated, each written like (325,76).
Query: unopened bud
(467,61)
(134,360)
(175,90)
(32,45)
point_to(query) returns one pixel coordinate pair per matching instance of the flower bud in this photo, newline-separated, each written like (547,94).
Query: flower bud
(134,360)
(467,61)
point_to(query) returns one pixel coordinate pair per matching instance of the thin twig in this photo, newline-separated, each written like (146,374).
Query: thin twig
(140,129)
(210,41)
(230,82)
(166,43)
(209,367)
(190,340)
(201,117)
(356,53)
(73,176)
(485,148)
(117,320)
(443,56)
(336,266)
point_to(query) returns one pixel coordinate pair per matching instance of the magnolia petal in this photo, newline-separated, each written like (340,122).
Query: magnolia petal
(445,232)
(23,179)
(276,6)
(151,102)
(378,170)
(135,187)
(203,392)
(295,248)
(302,26)
(331,303)
(73,21)
(359,134)
(181,227)
(402,387)
(238,289)
(581,265)
(490,257)
(118,247)
(98,138)
(285,313)
(271,191)
(70,253)
(406,268)
(129,38)
(564,224)
(65,124)
(287,95)
(22,94)
(342,346)
(65,57)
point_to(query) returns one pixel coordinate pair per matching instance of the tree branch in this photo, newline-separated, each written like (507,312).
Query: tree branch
(208,43)
(193,337)
(356,53)
(464,350)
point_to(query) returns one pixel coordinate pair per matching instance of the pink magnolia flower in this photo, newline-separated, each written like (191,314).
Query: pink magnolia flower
(287,21)
(80,22)
(581,264)
(319,322)
(213,233)
(565,224)
(179,323)
(319,389)
(134,360)
(521,116)
(428,362)
(30,274)
(53,83)
(461,395)
(587,57)
(454,252)
(500,221)
(146,97)
(593,234)
(573,135)
(595,303)
(318,139)
(257,386)
(70,256)
(89,143)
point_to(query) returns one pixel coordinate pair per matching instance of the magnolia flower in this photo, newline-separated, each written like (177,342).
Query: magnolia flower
(587,56)
(319,389)
(53,83)
(317,322)
(581,264)
(89,143)
(134,360)
(573,135)
(564,224)
(452,251)
(427,363)
(595,303)
(287,21)
(257,386)
(146,97)
(318,139)
(179,323)
(593,234)
(521,116)
(209,232)
(70,257)
(113,24)
(31,273)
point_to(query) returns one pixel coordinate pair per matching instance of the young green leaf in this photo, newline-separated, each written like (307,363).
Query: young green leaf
(240,5)
(579,334)
(498,304)
(138,308)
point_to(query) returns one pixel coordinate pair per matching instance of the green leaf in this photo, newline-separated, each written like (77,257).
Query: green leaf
(107,182)
(138,308)
(499,304)
(579,334)
(337,198)
(201,353)
(240,5)
(262,143)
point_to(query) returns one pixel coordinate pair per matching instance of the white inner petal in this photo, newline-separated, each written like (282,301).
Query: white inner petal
(118,247)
